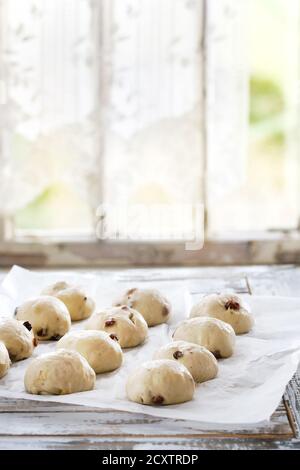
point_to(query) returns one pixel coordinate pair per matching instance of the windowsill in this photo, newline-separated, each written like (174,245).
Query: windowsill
(68,237)
(259,248)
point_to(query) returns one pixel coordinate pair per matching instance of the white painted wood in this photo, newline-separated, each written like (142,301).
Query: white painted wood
(269,249)
(93,423)
(159,444)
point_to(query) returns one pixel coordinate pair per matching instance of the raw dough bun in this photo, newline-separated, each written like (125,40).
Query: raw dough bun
(18,338)
(160,382)
(4,360)
(59,373)
(200,362)
(215,335)
(48,316)
(75,298)
(154,307)
(226,307)
(102,353)
(124,324)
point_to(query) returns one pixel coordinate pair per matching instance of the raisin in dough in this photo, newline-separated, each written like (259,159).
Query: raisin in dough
(4,360)
(200,362)
(59,373)
(160,382)
(154,307)
(123,323)
(215,335)
(226,307)
(102,352)
(48,316)
(79,304)
(18,338)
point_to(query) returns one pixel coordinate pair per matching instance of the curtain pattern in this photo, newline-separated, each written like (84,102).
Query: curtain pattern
(49,102)
(101,87)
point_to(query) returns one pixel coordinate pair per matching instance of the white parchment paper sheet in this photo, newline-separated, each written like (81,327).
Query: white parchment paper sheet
(248,388)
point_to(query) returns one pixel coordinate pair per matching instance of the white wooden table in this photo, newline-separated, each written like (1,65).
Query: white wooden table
(36,425)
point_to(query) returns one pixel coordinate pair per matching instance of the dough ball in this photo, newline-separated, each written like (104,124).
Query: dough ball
(4,360)
(200,362)
(215,335)
(154,307)
(226,307)
(79,304)
(18,338)
(59,373)
(48,316)
(102,353)
(123,323)
(160,382)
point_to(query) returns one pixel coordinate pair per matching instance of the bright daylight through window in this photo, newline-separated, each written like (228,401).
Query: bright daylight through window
(115,114)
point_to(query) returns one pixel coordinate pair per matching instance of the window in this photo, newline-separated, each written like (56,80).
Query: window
(160,104)
(105,95)
(263,191)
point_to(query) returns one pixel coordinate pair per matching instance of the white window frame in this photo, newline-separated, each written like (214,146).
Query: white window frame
(282,246)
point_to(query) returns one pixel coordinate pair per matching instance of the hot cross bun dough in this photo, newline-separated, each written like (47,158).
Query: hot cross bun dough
(123,323)
(213,334)
(79,304)
(18,338)
(200,362)
(226,307)
(102,352)
(59,373)
(154,307)
(4,360)
(160,382)
(48,316)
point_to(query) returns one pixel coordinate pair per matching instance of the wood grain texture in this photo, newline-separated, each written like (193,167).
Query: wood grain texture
(268,248)
(32,425)
(111,423)
(144,443)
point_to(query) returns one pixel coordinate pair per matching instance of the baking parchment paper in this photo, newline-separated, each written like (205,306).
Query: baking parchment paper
(248,388)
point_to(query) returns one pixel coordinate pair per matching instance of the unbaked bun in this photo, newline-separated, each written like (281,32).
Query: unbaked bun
(59,373)
(226,307)
(154,307)
(215,335)
(18,338)
(79,304)
(48,316)
(124,324)
(102,352)
(200,362)
(160,382)
(4,360)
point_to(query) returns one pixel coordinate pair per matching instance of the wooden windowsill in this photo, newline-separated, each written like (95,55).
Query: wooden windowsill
(267,248)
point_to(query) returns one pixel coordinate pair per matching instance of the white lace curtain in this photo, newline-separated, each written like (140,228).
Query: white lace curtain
(49,97)
(106,95)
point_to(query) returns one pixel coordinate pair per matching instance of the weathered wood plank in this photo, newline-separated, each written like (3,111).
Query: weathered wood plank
(276,281)
(117,423)
(160,444)
(278,424)
(174,273)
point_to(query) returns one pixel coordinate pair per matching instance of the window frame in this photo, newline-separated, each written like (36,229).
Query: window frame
(256,248)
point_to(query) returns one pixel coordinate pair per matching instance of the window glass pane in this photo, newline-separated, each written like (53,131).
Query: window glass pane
(265,194)
(47,105)
(124,74)
(153,148)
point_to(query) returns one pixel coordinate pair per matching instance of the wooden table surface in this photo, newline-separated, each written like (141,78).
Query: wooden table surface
(39,425)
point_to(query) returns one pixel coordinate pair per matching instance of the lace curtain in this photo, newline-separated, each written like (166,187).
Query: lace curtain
(227,97)
(49,98)
(106,95)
